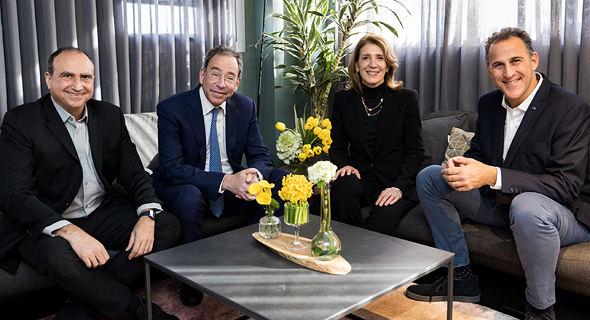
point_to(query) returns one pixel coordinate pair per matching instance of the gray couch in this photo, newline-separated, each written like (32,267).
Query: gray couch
(488,246)
(491,247)
(144,133)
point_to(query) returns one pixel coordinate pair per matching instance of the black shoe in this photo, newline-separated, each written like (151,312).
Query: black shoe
(190,296)
(138,309)
(533,313)
(464,290)
(76,308)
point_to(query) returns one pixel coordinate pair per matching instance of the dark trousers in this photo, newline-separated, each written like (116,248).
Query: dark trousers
(190,205)
(350,194)
(104,287)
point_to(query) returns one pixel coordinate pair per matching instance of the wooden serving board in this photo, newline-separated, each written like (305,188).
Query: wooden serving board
(303,257)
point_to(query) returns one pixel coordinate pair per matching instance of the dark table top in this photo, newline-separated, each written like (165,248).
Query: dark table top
(238,270)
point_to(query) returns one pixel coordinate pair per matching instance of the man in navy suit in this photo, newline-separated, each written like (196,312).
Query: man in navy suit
(196,177)
(527,169)
(59,158)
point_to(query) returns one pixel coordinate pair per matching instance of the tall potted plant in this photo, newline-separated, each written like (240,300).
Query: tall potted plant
(308,34)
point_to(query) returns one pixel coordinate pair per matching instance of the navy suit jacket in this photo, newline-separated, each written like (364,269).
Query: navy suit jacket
(40,173)
(549,153)
(183,148)
(398,146)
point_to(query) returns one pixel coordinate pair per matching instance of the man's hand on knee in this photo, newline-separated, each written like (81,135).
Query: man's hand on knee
(239,182)
(142,238)
(88,249)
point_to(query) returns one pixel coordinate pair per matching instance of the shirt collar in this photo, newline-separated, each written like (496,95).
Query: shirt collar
(207,106)
(527,102)
(64,115)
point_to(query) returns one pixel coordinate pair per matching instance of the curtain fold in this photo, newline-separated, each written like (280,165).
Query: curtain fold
(143,50)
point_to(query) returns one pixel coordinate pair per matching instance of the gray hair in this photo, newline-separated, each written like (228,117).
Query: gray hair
(224,51)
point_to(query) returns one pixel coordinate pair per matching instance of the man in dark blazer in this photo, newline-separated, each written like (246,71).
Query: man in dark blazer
(60,156)
(527,169)
(186,178)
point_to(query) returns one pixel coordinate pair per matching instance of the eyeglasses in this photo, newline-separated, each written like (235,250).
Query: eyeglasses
(69,77)
(215,76)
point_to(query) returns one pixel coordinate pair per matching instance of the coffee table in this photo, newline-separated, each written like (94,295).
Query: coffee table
(237,270)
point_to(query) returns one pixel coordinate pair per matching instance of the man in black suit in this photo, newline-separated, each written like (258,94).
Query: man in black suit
(527,169)
(60,156)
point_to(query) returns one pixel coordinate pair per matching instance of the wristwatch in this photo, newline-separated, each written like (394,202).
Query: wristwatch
(150,213)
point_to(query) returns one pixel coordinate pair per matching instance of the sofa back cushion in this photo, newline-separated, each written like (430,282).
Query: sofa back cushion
(143,130)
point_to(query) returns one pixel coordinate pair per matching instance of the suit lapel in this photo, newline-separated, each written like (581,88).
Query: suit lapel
(354,110)
(95,137)
(498,136)
(530,117)
(58,128)
(195,114)
(388,113)
(232,117)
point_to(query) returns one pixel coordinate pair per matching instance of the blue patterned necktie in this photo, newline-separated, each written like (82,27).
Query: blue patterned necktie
(215,162)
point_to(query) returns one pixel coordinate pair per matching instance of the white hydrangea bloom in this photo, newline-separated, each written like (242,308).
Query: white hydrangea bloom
(322,171)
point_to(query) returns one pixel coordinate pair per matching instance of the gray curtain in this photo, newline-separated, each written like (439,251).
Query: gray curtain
(441,47)
(143,50)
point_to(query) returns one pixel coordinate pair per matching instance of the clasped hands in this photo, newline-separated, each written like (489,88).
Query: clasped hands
(238,183)
(387,197)
(464,174)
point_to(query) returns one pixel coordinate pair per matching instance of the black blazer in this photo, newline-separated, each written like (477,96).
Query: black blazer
(40,173)
(549,153)
(398,148)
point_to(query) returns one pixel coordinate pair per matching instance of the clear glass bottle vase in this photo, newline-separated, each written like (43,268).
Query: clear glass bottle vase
(269,226)
(325,245)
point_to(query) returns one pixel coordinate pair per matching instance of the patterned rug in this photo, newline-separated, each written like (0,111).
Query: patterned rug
(393,306)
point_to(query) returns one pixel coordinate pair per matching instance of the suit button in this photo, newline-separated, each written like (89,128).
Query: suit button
(511,189)
(371,165)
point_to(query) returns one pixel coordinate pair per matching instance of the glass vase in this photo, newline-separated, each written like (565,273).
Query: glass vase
(296,215)
(269,226)
(325,245)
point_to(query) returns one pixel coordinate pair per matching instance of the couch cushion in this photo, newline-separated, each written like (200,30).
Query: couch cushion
(435,134)
(459,143)
(143,130)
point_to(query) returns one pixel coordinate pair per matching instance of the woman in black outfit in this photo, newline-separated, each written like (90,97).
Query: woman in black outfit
(377,143)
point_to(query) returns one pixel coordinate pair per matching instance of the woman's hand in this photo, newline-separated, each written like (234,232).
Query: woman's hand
(388,197)
(348,170)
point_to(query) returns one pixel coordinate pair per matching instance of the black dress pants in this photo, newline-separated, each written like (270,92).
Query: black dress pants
(104,287)
(349,194)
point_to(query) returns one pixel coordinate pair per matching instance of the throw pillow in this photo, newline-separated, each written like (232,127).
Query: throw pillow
(459,143)
(435,135)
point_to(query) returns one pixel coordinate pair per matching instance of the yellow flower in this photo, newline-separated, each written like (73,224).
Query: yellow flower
(264,184)
(317,131)
(296,188)
(308,126)
(326,148)
(306,147)
(325,133)
(263,199)
(315,122)
(317,150)
(263,194)
(254,188)
(327,141)
(327,124)
(309,153)
(280,126)
(302,156)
